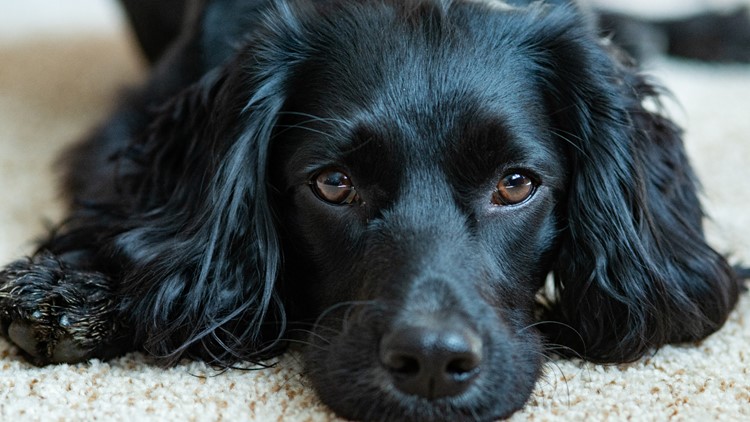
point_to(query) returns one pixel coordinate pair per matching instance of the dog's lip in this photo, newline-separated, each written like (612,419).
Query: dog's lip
(456,407)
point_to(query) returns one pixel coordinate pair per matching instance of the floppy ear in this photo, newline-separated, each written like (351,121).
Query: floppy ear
(634,270)
(200,253)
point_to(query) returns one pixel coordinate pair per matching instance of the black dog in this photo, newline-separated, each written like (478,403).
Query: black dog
(389,182)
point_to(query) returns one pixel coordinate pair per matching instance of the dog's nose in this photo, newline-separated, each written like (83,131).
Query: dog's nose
(431,362)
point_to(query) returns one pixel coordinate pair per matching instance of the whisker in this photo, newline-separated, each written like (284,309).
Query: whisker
(313,117)
(566,136)
(300,125)
(339,305)
(305,343)
(564,325)
(314,333)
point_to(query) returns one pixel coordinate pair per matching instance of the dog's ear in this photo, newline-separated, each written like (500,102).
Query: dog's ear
(634,270)
(200,252)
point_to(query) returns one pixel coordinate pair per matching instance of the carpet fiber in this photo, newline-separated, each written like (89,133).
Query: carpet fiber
(53,90)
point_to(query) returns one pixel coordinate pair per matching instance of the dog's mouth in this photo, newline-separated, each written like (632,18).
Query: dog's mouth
(445,370)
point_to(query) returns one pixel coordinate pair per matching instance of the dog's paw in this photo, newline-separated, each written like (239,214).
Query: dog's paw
(55,313)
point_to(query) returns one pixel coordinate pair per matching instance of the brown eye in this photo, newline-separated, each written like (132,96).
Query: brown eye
(334,187)
(513,189)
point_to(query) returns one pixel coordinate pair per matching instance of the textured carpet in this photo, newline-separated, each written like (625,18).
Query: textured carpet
(54,88)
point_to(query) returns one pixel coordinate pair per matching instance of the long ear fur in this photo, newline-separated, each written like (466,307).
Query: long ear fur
(634,270)
(201,254)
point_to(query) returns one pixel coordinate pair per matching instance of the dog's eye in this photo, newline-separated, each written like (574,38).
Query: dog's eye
(513,189)
(334,187)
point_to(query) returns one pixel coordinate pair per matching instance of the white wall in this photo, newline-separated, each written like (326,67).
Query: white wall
(21,18)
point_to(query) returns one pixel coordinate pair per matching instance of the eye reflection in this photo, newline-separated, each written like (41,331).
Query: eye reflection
(334,186)
(513,189)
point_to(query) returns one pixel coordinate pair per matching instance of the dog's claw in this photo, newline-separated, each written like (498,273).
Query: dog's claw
(67,350)
(22,334)
(63,349)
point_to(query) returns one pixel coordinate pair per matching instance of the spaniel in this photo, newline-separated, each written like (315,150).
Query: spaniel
(390,184)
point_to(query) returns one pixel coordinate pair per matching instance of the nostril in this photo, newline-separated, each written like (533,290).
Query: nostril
(463,367)
(401,363)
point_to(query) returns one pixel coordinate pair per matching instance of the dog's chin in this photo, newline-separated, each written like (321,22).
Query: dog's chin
(349,377)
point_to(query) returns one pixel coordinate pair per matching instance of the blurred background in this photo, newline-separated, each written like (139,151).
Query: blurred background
(40,18)
(19,19)
(666,8)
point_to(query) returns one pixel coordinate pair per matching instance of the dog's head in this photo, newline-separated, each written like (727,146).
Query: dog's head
(399,178)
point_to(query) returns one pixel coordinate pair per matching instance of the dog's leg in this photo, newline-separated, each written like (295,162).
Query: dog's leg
(56,313)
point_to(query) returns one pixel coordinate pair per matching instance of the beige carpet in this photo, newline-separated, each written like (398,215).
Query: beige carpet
(52,90)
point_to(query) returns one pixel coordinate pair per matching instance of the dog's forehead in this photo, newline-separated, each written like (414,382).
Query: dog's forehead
(389,89)
(420,67)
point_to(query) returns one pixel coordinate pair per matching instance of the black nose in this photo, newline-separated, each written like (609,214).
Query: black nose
(431,362)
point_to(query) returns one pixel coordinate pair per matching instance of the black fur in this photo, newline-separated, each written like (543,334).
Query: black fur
(194,230)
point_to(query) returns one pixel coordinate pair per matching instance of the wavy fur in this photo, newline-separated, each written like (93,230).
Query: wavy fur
(194,227)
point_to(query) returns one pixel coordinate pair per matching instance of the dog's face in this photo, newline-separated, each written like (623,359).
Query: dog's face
(419,190)
(396,179)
